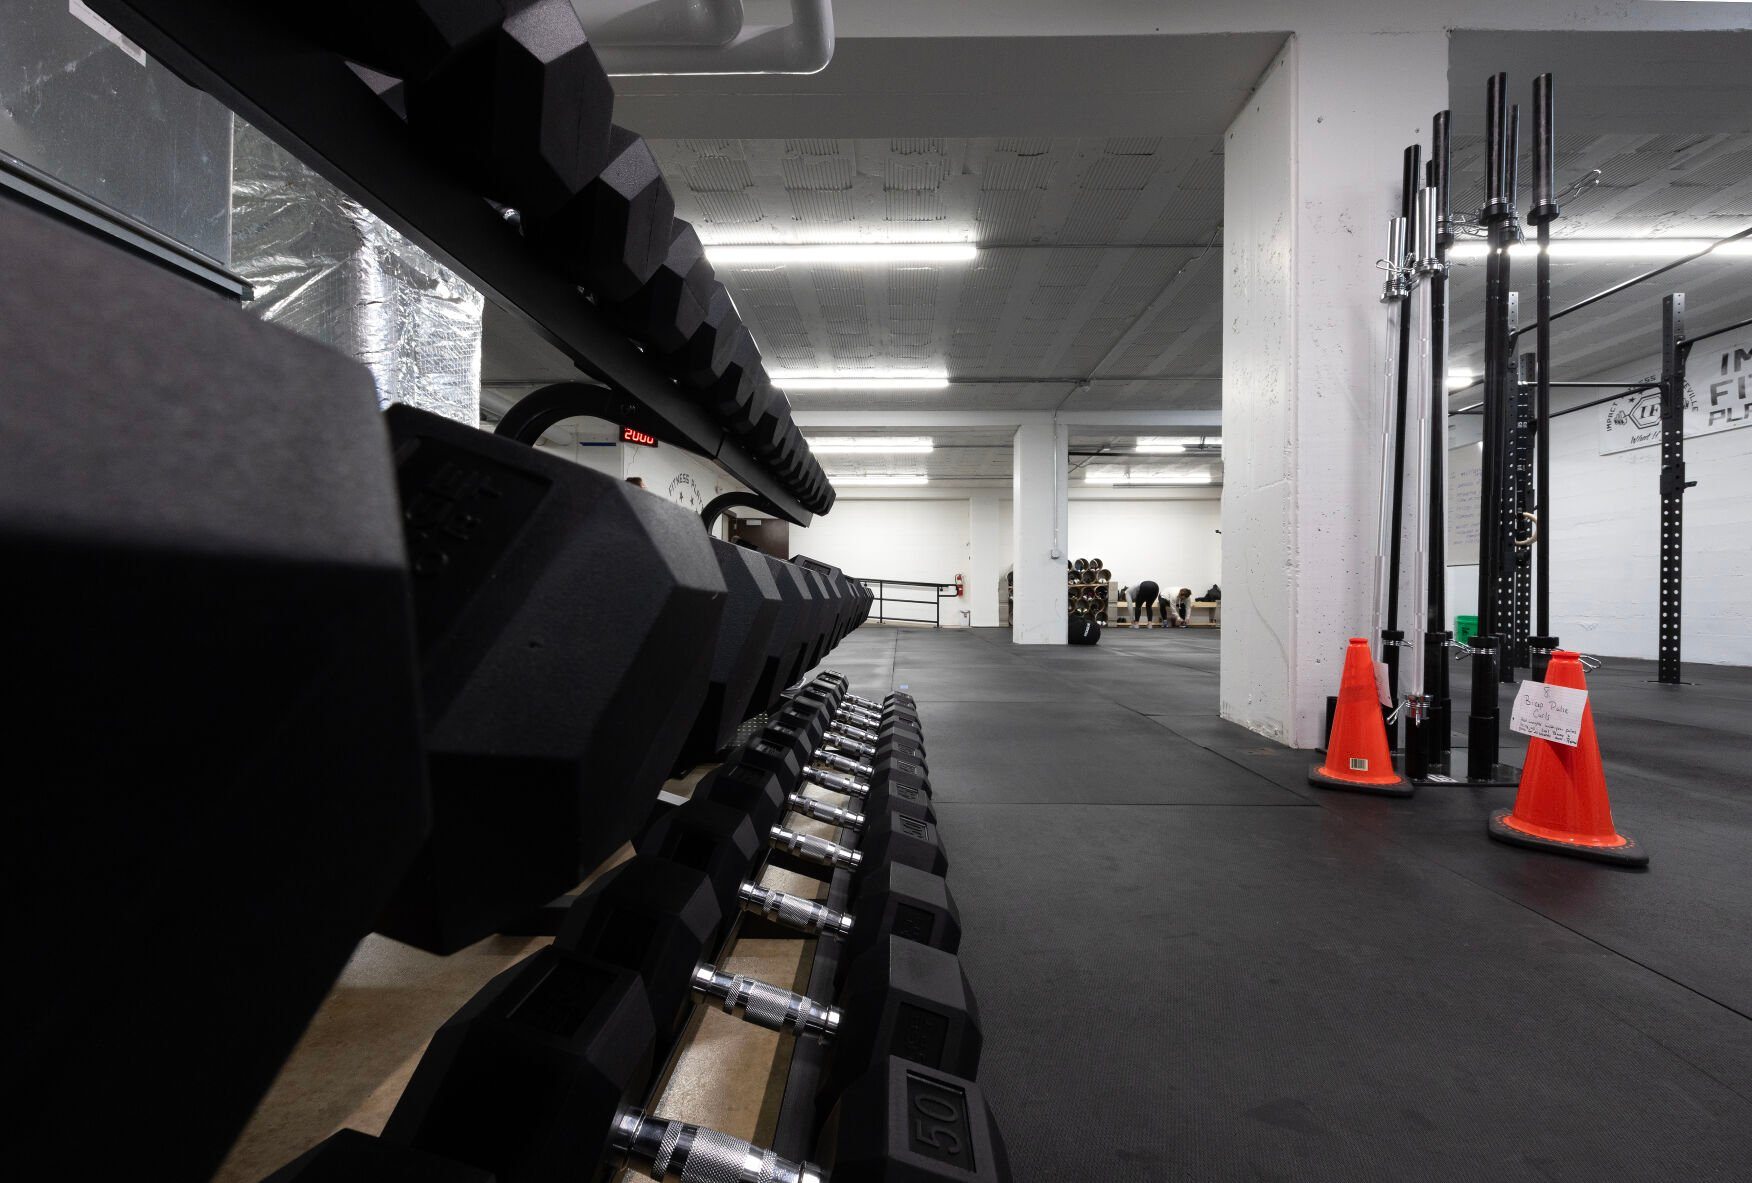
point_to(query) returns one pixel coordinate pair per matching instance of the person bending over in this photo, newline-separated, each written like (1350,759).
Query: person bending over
(1177,612)
(1144,597)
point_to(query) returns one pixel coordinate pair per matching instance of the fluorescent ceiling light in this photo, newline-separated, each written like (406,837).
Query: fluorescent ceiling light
(840,482)
(1120,478)
(1609,248)
(893,380)
(854,444)
(1172,445)
(1459,378)
(857,253)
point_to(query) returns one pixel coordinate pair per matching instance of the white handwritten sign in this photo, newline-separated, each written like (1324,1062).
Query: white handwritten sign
(1549,712)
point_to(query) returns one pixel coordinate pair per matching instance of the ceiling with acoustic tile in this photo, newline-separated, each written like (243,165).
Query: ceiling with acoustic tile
(1096,283)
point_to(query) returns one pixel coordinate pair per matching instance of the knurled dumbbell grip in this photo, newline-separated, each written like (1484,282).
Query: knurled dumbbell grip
(764,1004)
(813,849)
(793,911)
(821,811)
(848,744)
(679,1152)
(839,783)
(845,764)
(857,733)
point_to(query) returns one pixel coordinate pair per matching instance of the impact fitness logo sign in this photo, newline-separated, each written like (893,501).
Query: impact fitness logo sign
(1718,397)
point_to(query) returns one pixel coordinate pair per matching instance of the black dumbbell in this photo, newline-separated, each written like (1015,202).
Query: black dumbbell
(786,644)
(739,396)
(667,310)
(789,754)
(210,595)
(615,233)
(899,897)
(905,901)
(897,699)
(902,1122)
(536,668)
(658,920)
(805,733)
(522,114)
(824,695)
(751,614)
(708,353)
(886,838)
(899,998)
(836,687)
(766,438)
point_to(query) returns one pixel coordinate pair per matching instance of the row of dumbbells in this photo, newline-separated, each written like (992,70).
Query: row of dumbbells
(508,96)
(541,1076)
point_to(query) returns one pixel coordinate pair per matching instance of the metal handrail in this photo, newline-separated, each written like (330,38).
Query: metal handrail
(879,588)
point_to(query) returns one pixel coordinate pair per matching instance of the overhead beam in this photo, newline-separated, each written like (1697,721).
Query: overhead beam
(1209,419)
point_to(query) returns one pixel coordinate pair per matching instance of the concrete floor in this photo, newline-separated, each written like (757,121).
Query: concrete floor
(1192,965)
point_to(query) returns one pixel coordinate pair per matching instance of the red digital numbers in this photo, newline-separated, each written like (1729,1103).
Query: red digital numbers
(633,435)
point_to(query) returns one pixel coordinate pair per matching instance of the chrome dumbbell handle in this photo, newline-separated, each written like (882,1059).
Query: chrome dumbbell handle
(846,743)
(793,911)
(821,811)
(857,733)
(815,850)
(680,1152)
(845,764)
(858,715)
(764,1004)
(839,784)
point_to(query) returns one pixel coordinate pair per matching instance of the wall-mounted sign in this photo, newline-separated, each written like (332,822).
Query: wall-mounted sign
(1718,397)
(633,435)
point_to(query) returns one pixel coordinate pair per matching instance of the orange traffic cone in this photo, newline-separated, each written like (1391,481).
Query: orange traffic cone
(1357,756)
(1561,805)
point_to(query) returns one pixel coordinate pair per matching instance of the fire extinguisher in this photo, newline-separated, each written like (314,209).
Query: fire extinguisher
(960,588)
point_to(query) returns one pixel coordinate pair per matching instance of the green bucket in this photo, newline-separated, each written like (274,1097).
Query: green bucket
(1465,628)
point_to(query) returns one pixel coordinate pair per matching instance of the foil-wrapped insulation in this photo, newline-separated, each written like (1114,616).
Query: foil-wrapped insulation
(325,266)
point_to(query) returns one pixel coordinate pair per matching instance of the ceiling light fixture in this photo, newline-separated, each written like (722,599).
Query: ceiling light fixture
(827,254)
(1608,248)
(1161,446)
(1459,377)
(891,380)
(855,444)
(841,482)
(1129,479)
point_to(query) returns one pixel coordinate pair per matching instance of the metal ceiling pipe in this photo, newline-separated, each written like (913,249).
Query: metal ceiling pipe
(804,46)
(708,23)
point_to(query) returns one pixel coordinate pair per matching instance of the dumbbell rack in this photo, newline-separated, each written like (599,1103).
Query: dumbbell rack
(309,101)
(794,1133)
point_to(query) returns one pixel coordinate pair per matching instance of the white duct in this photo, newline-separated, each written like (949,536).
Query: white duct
(618,23)
(804,46)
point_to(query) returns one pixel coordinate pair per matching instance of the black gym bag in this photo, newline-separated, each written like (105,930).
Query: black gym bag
(1084,631)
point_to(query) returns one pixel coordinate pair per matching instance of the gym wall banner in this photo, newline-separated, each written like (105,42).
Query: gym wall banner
(1718,397)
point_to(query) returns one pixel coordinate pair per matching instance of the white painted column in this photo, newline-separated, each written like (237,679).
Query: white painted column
(985,568)
(1311,175)
(1039,528)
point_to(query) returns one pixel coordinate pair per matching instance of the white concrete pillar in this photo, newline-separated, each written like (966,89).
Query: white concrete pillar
(985,568)
(1039,527)
(1311,174)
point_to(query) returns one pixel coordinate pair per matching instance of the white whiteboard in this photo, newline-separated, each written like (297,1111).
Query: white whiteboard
(1465,482)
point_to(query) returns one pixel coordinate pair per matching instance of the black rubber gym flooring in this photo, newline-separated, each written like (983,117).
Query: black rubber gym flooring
(1191,965)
